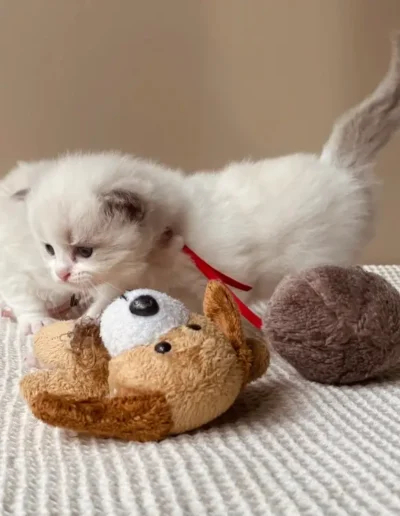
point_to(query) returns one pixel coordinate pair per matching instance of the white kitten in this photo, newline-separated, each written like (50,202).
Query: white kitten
(91,224)
(24,281)
(110,223)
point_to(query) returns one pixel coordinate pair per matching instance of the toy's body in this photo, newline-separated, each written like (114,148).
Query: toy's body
(182,379)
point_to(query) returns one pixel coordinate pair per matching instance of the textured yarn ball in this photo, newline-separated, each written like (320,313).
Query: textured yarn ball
(335,325)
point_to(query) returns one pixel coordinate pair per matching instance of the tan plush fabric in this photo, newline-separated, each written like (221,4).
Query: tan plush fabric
(288,447)
(143,394)
(62,373)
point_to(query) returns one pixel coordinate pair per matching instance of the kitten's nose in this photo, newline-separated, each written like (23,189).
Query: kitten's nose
(144,306)
(63,274)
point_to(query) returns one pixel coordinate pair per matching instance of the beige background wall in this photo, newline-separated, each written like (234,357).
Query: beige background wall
(193,83)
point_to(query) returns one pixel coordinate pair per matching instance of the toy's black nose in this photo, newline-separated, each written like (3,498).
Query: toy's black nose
(144,306)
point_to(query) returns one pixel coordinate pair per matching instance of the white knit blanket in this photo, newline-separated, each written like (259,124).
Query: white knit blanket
(288,447)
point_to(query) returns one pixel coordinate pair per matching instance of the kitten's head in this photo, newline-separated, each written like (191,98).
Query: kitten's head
(98,217)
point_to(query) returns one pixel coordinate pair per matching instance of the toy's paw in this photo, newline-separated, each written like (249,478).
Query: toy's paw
(31,324)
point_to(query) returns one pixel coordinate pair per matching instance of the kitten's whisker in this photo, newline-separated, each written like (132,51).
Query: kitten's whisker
(112,286)
(86,295)
(94,287)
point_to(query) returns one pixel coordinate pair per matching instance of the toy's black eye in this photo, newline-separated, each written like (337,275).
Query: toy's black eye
(195,327)
(162,347)
(144,306)
(50,249)
(84,252)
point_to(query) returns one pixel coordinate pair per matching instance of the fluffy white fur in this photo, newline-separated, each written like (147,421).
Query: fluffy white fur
(24,280)
(255,221)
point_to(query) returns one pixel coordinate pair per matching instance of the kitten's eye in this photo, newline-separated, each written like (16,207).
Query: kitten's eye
(50,249)
(84,252)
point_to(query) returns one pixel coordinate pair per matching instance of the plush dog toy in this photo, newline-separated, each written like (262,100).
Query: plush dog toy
(148,370)
(335,325)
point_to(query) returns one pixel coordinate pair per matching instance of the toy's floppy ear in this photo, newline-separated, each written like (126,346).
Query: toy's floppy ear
(220,307)
(260,358)
(139,417)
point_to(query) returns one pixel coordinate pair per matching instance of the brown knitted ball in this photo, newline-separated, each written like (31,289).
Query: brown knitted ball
(335,325)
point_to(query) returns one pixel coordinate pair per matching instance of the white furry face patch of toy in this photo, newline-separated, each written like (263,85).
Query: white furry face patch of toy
(139,317)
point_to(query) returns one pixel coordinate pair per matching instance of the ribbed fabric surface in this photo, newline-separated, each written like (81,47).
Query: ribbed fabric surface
(288,447)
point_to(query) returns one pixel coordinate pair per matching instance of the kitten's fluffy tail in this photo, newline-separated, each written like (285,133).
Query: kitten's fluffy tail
(360,133)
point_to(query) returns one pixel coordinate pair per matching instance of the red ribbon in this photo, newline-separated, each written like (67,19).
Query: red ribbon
(212,274)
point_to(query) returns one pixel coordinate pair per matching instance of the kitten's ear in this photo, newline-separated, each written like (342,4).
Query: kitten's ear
(125,204)
(21,194)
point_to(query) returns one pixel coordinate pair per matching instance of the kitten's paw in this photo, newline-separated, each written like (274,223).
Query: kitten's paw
(6,313)
(31,362)
(31,324)
(89,317)
(5,310)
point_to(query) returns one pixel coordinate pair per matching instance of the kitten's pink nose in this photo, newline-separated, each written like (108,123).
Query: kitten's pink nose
(63,274)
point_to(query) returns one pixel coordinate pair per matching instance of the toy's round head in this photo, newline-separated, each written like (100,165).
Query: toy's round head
(138,317)
(335,325)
